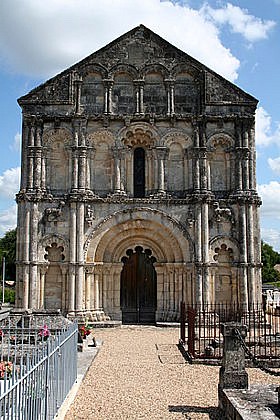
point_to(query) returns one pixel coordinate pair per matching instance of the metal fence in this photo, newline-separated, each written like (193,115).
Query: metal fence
(37,370)
(203,336)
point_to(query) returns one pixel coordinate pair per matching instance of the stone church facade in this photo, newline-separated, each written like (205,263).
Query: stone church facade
(138,187)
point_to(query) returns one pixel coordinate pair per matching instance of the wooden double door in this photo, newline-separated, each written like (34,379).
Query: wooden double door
(138,287)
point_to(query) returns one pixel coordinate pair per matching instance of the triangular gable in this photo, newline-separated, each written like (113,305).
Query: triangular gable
(139,47)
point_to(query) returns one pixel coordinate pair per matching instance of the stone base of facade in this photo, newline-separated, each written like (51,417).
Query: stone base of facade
(85,316)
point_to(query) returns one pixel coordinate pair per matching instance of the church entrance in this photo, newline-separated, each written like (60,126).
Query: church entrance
(138,287)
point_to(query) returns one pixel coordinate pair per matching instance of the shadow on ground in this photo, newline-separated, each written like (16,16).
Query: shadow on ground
(186,410)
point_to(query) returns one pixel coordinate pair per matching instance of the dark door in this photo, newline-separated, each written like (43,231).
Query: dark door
(138,287)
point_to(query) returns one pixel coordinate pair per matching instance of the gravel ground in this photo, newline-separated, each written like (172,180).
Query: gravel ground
(140,374)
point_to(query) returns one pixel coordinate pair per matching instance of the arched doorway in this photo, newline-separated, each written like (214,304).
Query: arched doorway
(138,287)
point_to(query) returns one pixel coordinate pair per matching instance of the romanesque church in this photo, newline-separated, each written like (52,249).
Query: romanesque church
(138,187)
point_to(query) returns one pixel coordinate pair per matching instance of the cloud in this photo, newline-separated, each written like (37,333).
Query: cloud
(270,195)
(275,165)
(240,21)
(9,183)
(8,219)
(272,237)
(41,38)
(16,146)
(265,133)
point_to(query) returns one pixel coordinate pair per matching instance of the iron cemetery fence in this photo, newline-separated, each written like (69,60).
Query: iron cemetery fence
(38,368)
(203,336)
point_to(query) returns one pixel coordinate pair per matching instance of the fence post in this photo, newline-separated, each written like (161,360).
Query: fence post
(183,322)
(232,373)
(191,331)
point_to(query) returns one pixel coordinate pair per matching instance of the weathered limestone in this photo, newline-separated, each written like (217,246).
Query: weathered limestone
(138,145)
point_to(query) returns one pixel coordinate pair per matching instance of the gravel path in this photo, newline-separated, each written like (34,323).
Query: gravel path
(140,374)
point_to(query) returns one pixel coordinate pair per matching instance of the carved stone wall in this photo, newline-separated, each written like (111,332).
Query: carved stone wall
(79,206)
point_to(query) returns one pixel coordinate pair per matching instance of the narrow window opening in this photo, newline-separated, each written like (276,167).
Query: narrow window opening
(139,172)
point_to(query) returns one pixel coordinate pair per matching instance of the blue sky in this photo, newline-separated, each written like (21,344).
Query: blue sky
(238,39)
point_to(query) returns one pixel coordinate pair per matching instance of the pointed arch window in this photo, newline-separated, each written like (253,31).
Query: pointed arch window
(139,172)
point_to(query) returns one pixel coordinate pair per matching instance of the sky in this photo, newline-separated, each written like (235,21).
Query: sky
(240,40)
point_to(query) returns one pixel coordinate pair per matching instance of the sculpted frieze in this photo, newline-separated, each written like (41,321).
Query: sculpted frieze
(53,136)
(100,136)
(55,91)
(217,90)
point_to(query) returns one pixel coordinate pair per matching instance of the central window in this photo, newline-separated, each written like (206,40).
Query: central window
(139,173)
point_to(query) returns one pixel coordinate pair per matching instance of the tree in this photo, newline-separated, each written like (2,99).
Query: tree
(8,250)
(269,259)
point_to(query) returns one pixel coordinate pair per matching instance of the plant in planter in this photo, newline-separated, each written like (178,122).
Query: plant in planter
(84,331)
(44,332)
(6,369)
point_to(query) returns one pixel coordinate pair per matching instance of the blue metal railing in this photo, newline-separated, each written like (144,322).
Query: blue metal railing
(43,373)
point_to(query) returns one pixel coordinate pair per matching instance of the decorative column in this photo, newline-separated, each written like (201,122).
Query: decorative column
(33,289)
(80,256)
(251,257)
(82,168)
(123,178)
(108,84)
(43,170)
(96,290)
(30,157)
(169,85)
(198,256)
(117,161)
(64,286)
(38,157)
(71,290)
(88,286)
(139,85)
(203,171)
(43,271)
(25,286)
(252,159)
(72,257)
(246,169)
(238,169)
(75,157)
(243,241)
(78,86)
(24,153)
(161,155)
(205,252)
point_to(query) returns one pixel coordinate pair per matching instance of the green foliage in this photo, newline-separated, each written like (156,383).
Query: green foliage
(8,250)
(269,259)
(9,295)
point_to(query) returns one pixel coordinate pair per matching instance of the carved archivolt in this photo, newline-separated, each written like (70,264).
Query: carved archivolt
(226,244)
(94,68)
(124,68)
(139,134)
(147,227)
(187,69)
(53,136)
(220,140)
(176,137)
(48,240)
(155,68)
(100,136)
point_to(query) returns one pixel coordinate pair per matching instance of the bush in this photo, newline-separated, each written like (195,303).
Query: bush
(10,295)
